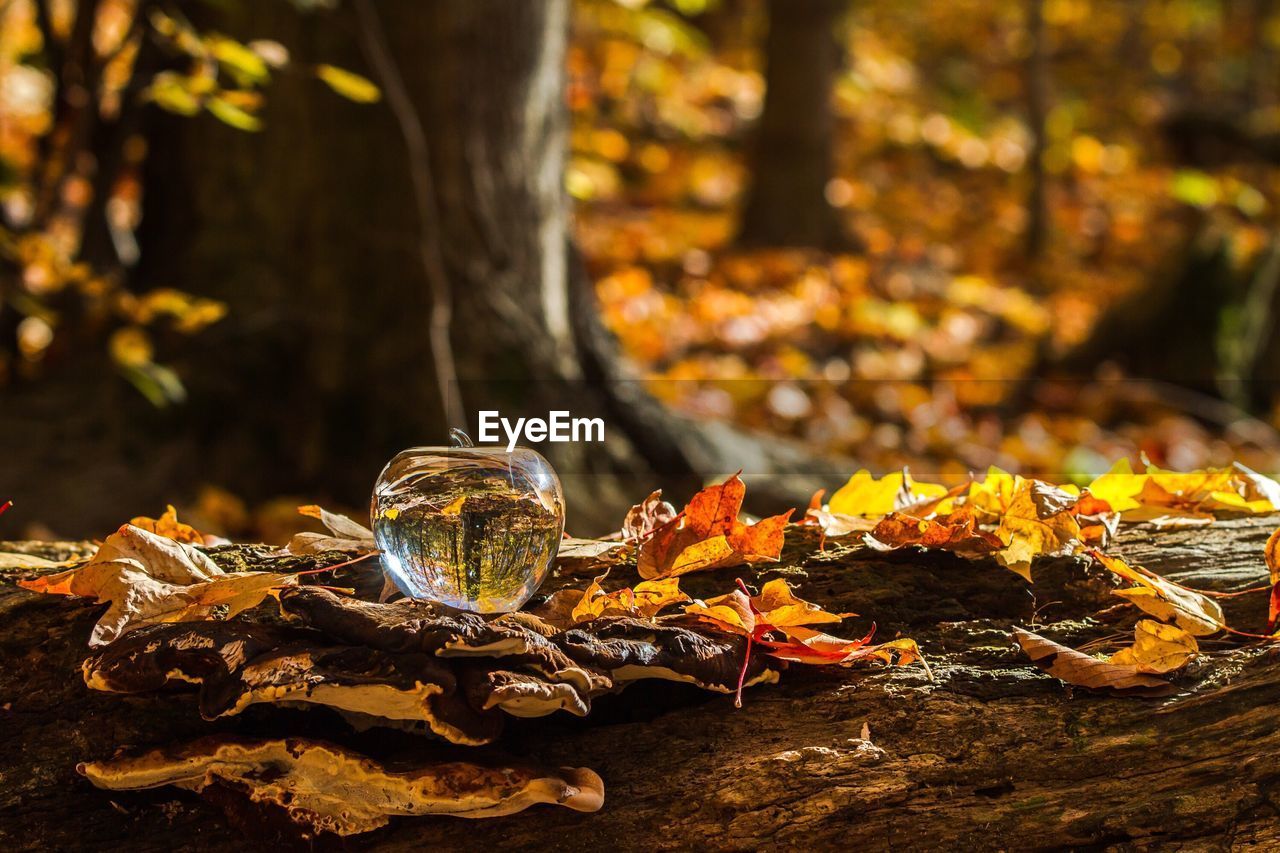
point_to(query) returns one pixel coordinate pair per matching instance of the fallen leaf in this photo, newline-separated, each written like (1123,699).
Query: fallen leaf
(643,601)
(779,606)
(10,561)
(990,497)
(775,607)
(957,532)
(1271,553)
(867,497)
(1163,599)
(149,578)
(338,524)
(708,535)
(1158,648)
(344,534)
(777,610)
(1042,520)
(1082,670)
(730,612)
(647,516)
(168,525)
(806,645)
(1152,492)
(589,556)
(832,525)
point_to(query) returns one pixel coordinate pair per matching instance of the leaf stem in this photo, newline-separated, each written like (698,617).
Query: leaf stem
(361,558)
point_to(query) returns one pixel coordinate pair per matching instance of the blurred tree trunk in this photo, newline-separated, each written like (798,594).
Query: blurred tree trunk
(1037,77)
(312,232)
(329,232)
(1263,70)
(490,95)
(301,230)
(792,161)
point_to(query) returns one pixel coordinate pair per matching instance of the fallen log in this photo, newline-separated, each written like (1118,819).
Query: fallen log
(991,754)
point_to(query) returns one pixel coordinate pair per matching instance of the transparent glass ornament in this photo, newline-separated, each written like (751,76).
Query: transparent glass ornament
(474,527)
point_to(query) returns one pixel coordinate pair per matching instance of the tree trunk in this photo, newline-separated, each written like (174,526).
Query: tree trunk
(307,231)
(991,755)
(1037,77)
(312,232)
(787,202)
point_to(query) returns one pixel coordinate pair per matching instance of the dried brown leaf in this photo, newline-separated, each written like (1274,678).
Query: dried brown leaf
(647,516)
(590,556)
(1080,669)
(149,578)
(344,534)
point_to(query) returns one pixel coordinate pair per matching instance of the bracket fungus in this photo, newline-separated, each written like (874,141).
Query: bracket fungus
(328,788)
(670,648)
(417,665)
(237,665)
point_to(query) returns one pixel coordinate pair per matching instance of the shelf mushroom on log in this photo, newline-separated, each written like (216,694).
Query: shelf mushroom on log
(414,662)
(331,789)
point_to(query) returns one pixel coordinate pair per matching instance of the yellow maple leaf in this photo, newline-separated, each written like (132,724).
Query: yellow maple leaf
(777,606)
(1163,599)
(644,600)
(1157,648)
(1039,521)
(1153,492)
(1119,487)
(867,497)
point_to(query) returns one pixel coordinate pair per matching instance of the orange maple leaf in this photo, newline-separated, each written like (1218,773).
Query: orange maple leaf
(957,532)
(708,535)
(777,610)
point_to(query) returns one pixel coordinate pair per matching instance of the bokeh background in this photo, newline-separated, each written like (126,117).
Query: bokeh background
(250,248)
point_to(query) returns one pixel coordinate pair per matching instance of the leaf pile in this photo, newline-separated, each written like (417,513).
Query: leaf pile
(1013,519)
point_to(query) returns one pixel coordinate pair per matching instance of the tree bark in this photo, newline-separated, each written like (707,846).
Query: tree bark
(991,755)
(787,202)
(307,231)
(1037,81)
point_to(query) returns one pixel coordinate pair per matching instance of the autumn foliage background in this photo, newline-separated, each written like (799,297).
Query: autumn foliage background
(1055,245)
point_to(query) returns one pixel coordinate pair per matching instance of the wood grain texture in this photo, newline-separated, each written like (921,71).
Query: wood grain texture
(992,755)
